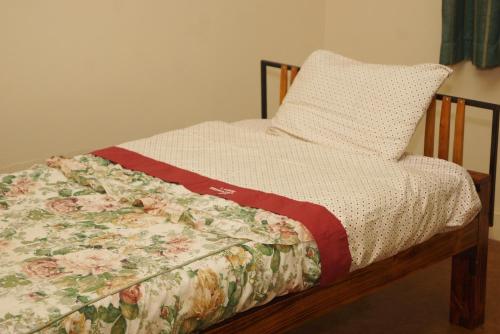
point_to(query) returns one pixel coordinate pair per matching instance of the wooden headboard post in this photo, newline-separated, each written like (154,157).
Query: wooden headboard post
(444,127)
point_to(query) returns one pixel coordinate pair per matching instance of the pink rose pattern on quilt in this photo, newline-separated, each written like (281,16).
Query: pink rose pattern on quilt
(90,247)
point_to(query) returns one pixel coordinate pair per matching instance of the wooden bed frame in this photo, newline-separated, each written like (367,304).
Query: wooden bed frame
(467,246)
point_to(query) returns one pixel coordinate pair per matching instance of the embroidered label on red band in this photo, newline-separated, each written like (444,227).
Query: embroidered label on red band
(328,232)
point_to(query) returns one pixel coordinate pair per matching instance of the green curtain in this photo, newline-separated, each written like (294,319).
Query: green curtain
(471,30)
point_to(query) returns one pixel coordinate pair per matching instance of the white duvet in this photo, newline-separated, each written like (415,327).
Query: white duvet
(384,206)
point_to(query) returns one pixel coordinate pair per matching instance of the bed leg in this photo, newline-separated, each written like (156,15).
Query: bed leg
(468,277)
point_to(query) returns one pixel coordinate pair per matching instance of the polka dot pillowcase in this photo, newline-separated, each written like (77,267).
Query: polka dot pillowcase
(354,106)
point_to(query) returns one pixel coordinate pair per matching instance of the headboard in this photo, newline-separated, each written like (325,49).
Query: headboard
(291,71)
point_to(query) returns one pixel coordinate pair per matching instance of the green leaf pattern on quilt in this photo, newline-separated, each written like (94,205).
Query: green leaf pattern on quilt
(90,247)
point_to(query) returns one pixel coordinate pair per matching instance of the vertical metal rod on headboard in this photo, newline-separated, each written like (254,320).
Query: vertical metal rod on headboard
(263,89)
(493,160)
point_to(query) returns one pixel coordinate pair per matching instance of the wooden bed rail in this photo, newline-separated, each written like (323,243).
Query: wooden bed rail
(430,121)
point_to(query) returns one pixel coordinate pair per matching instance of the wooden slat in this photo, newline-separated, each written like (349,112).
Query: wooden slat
(283,82)
(287,312)
(458,141)
(430,125)
(293,73)
(444,128)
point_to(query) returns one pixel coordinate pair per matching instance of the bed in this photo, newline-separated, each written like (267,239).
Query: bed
(143,237)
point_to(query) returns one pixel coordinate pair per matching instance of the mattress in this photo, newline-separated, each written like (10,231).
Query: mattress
(385,206)
(93,247)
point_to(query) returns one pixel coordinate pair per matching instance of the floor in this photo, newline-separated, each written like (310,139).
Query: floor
(415,304)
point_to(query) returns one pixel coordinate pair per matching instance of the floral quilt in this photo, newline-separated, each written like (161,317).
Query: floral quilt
(87,246)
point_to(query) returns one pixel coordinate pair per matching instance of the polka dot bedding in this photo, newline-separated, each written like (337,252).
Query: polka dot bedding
(259,125)
(355,106)
(385,206)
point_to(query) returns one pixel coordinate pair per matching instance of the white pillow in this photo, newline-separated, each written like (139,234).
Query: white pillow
(355,106)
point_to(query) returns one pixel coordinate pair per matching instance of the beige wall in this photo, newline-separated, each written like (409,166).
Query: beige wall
(77,75)
(409,32)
